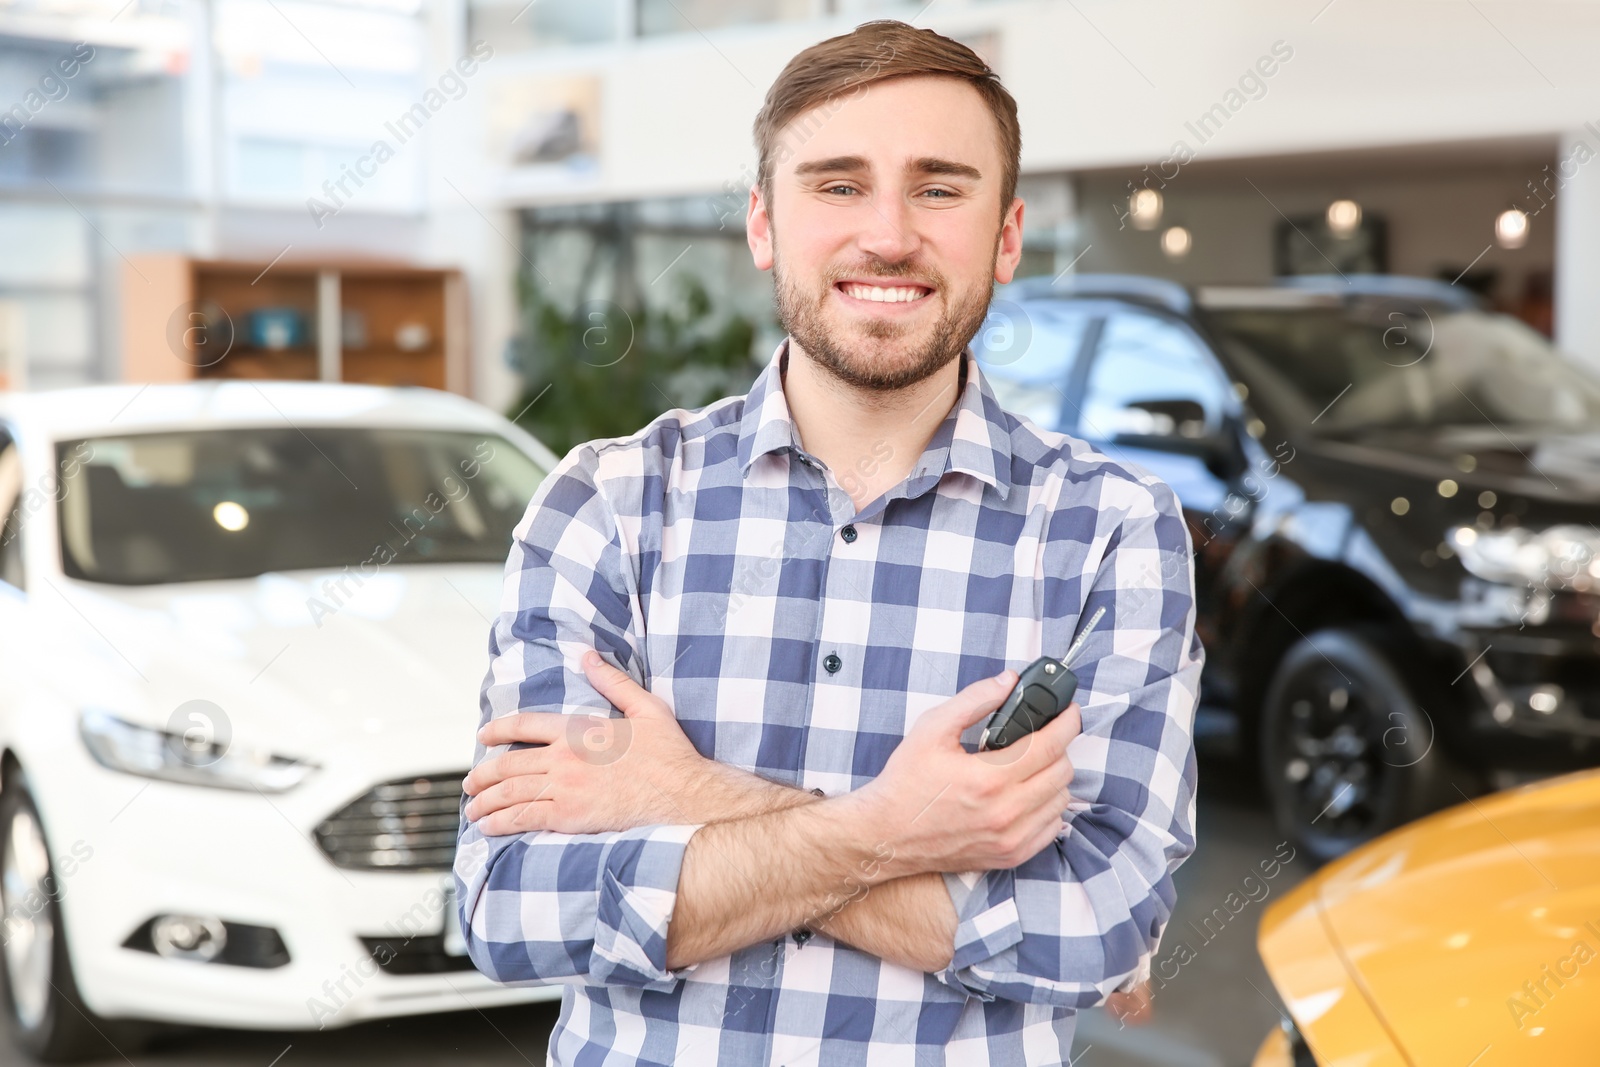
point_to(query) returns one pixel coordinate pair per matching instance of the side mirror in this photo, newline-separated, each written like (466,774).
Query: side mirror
(1172,418)
(1178,426)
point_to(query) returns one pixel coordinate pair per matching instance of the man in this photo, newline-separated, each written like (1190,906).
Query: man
(787,849)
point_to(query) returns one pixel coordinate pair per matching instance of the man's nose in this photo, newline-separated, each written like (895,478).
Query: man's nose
(888,229)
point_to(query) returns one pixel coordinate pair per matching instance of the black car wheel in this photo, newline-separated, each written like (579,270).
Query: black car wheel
(48,1018)
(1347,751)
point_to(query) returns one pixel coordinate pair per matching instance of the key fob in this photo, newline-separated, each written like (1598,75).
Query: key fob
(1042,692)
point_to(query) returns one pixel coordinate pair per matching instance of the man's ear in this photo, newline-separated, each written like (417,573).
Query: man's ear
(758,230)
(1009,254)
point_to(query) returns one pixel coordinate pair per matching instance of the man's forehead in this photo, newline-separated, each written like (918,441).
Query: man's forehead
(902,125)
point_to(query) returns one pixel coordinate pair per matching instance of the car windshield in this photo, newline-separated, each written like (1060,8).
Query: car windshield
(1393,364)
(1026,353)
(214,504)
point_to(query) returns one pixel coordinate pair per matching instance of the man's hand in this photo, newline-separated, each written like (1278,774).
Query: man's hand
(942,808)
(935,807)
(1133,1008)
(594,773)
(597,773)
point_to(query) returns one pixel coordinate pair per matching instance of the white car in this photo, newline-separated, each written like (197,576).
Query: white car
(242,630)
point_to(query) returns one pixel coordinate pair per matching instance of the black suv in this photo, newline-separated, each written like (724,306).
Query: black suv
(1391,493)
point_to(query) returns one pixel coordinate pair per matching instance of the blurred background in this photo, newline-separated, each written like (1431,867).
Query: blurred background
(600,151)
(449,193)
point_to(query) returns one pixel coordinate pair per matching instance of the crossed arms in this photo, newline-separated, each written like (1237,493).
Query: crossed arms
(863,868)
(615,853)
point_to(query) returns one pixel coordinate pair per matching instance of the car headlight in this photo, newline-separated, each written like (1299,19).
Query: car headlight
(151,753)
(1562,557)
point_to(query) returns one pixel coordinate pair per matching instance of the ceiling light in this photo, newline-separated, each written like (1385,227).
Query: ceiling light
(1144,208)
(1344,216)
(1176,242)
(231,516)
(1511,228)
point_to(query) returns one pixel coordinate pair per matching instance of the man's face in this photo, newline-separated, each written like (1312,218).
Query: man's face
(888,207)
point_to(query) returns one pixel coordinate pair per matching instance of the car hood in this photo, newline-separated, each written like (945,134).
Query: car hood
(1479,927)
(1546,466)
(300,664)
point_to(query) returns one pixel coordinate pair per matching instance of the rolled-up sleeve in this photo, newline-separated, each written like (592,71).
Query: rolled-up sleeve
(1084,917)
(541,906)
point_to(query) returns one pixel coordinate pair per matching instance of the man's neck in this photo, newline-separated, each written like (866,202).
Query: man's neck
(870,439)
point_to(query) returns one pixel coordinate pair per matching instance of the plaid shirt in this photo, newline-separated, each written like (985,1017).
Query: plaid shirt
(795,637)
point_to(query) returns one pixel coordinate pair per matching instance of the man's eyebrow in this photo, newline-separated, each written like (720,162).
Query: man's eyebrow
(835,165)
(948,167)
(854,164)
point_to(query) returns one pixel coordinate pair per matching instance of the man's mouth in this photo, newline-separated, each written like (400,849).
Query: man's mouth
(884,294)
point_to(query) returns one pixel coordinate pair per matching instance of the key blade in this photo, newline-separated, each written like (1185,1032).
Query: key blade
(1083,635)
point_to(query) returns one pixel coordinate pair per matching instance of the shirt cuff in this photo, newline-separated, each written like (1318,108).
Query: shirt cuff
(638,892)
(987,924)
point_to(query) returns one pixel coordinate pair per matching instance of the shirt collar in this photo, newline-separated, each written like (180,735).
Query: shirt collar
(973,439)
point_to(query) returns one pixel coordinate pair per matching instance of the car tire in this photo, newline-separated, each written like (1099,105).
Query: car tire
(1347,751)
(47,1016)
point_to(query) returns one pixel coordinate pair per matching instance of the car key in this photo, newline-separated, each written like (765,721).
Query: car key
(1042,692)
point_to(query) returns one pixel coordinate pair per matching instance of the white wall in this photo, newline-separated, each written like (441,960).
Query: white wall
(1578,252)
(1112,82)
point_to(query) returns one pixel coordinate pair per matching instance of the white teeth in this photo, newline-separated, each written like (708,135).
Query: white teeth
(897,295)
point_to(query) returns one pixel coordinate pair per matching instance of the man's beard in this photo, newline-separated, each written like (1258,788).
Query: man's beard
(856,363)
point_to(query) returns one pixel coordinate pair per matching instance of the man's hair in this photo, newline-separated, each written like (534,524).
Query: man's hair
(830,72)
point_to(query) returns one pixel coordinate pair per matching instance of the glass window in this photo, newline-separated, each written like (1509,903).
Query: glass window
(688,16)
(37,153)
(1026,352)
(177,507)
(516,25)
(1383,363)
(1152,376)
(692,312)
(867,7)
(11,515)
(272,168)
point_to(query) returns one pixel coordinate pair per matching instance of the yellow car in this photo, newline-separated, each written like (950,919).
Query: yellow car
(1469,938)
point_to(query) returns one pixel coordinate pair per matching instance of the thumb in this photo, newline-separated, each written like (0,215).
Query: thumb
(626,695)
(972,705)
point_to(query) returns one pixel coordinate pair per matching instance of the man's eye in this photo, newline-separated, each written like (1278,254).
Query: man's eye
(943,193)
(837,188)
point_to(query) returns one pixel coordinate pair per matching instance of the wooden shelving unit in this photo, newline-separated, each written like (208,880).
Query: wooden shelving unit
(383,324)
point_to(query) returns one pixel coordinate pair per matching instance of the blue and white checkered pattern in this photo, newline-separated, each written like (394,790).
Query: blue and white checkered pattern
(706,555)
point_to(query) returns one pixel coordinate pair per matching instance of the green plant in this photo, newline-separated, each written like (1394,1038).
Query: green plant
(604,371)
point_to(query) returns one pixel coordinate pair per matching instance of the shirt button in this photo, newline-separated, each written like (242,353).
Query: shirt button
(832,663)
(802,935)
(849,535)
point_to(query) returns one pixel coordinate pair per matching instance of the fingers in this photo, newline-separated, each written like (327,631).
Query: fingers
(1069,723)
(1049,830)
(971,705)
(626,695)
(518,819)
(1040,831)
(1047,790)
(1033,753)
(1050,741)
(520,790)
(1133,1008)
(505,766)
(539,727)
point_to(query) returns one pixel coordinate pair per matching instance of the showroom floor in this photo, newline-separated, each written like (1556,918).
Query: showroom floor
(1210,1012)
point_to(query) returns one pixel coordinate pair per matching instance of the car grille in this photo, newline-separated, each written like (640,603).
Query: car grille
(409,824)
(424,954)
